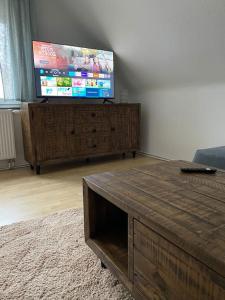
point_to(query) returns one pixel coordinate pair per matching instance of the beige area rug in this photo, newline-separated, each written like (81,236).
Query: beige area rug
(47,258)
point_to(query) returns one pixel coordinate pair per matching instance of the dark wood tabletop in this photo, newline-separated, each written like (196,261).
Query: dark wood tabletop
(187,209)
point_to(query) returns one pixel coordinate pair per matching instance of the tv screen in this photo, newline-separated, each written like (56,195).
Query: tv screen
(68,71)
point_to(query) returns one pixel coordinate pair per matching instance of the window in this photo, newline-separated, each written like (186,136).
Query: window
(1,54)
(7,92)
(15,52)
(1,86)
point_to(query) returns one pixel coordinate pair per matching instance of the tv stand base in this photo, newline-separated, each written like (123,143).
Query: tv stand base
(64,131)
(107,100)
(38,169)
(45,100)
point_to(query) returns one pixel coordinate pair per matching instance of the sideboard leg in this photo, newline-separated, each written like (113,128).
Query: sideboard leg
(87,160)
(134,154)
(38,169)
(31,167)
(123,155)
(103,265)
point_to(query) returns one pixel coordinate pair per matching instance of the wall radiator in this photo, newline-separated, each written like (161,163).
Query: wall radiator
(7,137)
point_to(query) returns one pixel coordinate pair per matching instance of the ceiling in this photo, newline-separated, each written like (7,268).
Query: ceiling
(158,43)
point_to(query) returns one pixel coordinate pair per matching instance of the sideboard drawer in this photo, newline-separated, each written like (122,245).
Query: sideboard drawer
(92,116)
(164,271)
(93,144)
(93,128)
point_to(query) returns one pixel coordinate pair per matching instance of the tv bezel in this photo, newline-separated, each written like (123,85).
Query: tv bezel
(74,97)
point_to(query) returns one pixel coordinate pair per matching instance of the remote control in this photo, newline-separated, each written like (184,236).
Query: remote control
(199,170)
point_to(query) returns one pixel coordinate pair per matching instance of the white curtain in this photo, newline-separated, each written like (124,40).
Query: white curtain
(15,51)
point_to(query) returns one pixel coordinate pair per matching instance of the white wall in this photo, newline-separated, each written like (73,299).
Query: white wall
(178,121)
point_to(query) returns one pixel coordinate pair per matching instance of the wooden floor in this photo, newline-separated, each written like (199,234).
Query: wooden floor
(24,195)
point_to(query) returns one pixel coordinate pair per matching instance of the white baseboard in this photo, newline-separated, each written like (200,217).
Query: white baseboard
(4,166)
(153,156)
(24,165)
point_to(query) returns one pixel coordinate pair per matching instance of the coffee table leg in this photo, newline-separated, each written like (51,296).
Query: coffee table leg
(103,265)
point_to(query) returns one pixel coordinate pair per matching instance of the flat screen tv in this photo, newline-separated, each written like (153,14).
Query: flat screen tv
(75,72)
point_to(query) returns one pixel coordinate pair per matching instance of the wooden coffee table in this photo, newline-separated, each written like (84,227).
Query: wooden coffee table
(161,232)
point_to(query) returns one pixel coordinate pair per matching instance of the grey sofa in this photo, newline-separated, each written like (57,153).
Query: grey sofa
(213,157)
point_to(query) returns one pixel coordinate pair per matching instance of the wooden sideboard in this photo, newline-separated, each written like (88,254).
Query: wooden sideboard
(64,131)
(161,232)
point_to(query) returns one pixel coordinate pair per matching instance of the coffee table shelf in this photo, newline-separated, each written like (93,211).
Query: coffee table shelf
(109,231)
(115,248)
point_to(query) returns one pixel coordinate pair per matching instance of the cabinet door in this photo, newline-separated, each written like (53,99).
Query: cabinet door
(134,126)
(124,122)
(53,131)
(119,128)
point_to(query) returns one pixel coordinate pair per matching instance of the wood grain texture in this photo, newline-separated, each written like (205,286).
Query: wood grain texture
(181,242)
(130,248)
(65,131)
(164,271)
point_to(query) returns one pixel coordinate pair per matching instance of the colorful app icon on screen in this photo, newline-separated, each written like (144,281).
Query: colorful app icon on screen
(78,82)
(64,81)
(104,84)
(48,81)
(91,83)
(78,92)
(72,74)
(105,93)
(96,75)
(92,93)
(49,91)
(65,91)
